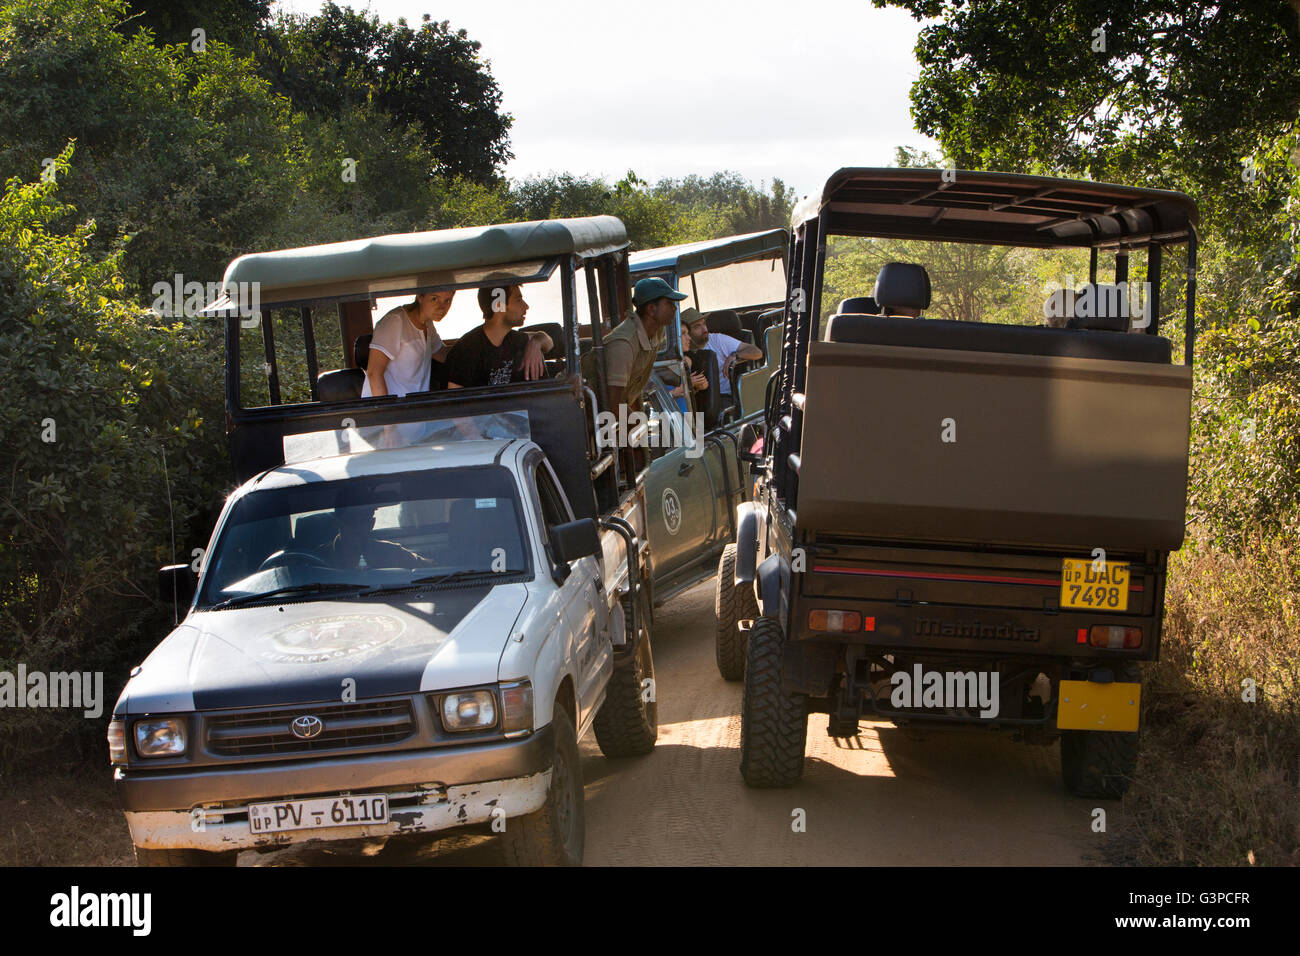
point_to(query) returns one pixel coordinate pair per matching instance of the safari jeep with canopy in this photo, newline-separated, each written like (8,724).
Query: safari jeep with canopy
(414,606)
(966,523)
(691,501)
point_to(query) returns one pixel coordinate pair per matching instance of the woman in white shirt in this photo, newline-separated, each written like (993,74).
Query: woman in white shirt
(403,345)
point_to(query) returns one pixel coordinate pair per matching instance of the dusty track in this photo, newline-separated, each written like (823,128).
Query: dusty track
(895,798)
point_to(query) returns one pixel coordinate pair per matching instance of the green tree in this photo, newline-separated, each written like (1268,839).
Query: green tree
(431,77)
(232,22)
(102,391)
(189,154)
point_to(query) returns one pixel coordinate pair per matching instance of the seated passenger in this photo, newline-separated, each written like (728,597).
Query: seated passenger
(355,541)
(403,346)
(728,349)
(496,352)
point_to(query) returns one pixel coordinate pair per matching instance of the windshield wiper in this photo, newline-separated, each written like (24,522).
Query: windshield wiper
(428,581)
(317,588)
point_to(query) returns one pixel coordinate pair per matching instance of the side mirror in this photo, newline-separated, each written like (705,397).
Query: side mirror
(575,539)
(745,440)
(176,585)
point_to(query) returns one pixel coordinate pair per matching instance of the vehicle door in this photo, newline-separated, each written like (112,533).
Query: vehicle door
(681,504)
(583,609)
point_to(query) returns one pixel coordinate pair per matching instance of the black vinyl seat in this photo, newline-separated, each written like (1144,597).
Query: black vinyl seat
(312,532)
(555,331)
(344,385)
(992,337)
(361,350)
(858,305)
(727,322)
(709,401)
(902,285)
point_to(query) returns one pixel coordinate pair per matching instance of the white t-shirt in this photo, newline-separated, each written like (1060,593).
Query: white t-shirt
(409,353)
(724,346)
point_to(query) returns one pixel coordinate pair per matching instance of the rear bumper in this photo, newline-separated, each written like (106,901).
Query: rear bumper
(428,790)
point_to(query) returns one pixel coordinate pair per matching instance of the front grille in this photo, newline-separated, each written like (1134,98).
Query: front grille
(260,732)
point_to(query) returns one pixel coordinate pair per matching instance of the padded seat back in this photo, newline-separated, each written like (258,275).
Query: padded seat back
(1100,307)
(361,350)
(314,531)
(725,321)
(343,385)
(858,305)
(709,401)
(556,332)
(751,389)
(992,337)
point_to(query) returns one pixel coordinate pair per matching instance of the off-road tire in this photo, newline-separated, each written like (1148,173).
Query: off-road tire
(553,835)
(627,724)
(1097,763)
(184,857)
(731,603)
(773,724)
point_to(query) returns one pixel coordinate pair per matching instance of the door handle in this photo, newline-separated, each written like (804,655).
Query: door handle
(685,469)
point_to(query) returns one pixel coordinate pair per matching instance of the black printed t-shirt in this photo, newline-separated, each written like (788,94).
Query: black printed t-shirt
(475,361)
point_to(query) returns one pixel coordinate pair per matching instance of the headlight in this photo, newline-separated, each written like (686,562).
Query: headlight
(116,741)
(517,707)
(164,737)
(469,710)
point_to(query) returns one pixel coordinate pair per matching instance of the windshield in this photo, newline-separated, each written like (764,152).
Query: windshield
(368,535)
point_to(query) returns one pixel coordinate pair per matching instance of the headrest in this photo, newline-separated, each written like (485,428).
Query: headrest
(858,305)
(361,350)
(314,530)
(902,285)
(724,322)
(1100,307)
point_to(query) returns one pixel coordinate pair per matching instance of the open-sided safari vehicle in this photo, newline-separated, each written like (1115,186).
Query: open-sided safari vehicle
(691,501)
(500,606)
(967,523)
(738,282)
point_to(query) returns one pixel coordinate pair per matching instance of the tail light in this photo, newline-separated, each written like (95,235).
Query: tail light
(1115,637)
(839,622)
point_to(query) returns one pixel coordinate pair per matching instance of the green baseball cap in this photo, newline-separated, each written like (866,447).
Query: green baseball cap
(647,290)
(691,315)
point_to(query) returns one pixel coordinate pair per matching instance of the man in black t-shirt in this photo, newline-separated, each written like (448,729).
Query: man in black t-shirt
(496,352)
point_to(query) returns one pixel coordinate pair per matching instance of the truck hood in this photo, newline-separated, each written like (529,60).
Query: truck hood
(304,652)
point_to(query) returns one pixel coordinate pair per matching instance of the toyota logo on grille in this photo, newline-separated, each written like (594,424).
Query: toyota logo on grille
(307,727)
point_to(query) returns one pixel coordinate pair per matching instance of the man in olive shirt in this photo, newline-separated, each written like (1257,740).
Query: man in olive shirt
(631,348)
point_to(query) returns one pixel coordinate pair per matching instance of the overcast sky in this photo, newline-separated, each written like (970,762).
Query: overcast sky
(673,87)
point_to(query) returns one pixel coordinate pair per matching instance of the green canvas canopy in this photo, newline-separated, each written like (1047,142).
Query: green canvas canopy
(691,257)
(386,264)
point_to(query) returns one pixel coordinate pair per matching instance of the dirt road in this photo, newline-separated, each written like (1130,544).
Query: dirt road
(894,798)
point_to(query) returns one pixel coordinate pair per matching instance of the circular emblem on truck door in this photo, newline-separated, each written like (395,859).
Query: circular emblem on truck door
(307,726)
(672,507)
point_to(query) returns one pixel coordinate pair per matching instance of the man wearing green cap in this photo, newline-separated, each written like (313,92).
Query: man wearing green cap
(631,348)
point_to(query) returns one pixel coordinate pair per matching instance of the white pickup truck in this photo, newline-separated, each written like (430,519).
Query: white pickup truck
(385,642)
